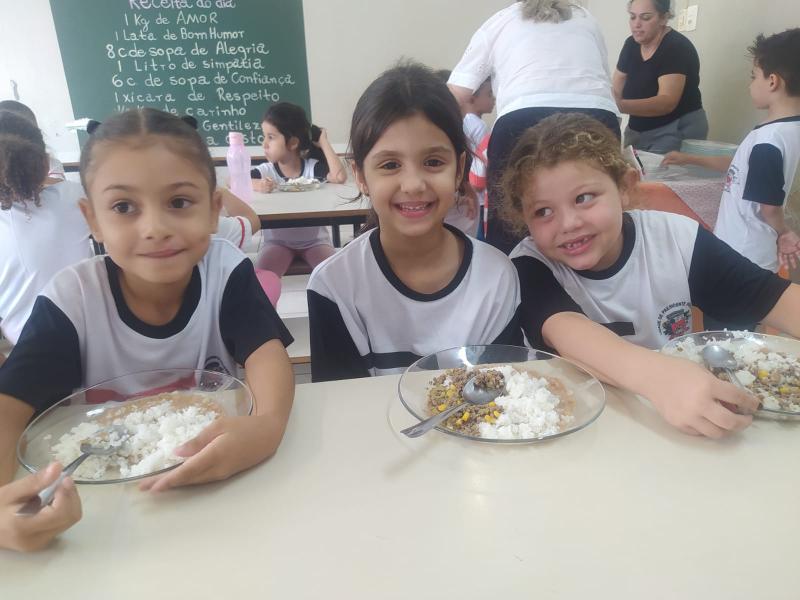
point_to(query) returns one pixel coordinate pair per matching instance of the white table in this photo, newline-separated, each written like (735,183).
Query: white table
(330,205)
(625,509)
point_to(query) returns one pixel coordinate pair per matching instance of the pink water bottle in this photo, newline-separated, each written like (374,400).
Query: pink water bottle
(239,167)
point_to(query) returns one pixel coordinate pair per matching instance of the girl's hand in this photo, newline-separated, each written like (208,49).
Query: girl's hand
(789,249)
(227,446)
(675,158)
(264,186)
(27,534)
(693,400)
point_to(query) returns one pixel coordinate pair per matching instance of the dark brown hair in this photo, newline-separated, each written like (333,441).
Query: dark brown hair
(291,120)
(662,7)
(23,160)
(779,54)
(135,126)
(19,108)
(559,138)
(404,91)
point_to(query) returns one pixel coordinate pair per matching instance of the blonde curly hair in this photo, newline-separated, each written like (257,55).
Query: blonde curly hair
(559,138)
(547,11)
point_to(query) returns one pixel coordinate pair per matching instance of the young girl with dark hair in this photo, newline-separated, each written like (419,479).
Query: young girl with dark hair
(166,296)
(294,149)
(413,285)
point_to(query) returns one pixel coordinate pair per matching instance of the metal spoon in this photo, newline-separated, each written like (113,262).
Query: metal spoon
(45,497)
(470,393)
(717,357)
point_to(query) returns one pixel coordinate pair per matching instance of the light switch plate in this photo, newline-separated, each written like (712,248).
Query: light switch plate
(691,18)
(680,21)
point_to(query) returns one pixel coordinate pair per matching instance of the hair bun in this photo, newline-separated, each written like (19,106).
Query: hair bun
(92,126)
(316,132)
(189,120)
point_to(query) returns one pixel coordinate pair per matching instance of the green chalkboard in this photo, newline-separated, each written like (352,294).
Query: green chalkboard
(222,61)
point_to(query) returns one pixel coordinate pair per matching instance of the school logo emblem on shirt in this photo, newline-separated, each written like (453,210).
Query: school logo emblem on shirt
(731,178)
(675,320)
(214,363)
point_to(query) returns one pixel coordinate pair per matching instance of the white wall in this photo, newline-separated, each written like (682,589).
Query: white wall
(350,41)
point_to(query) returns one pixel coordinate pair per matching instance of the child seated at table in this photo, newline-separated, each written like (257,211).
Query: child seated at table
(413,285)
(55,168)
(238,225)
(41,227)
(605,287)
(294,149)
(166,296)
(760,175)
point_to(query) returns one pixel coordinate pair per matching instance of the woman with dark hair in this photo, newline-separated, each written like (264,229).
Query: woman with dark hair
(544,57)
(657,81)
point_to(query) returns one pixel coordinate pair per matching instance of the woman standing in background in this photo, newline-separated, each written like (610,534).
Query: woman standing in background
(657,81)
(544,57)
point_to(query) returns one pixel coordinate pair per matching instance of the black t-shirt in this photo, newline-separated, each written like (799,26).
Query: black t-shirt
(675,55)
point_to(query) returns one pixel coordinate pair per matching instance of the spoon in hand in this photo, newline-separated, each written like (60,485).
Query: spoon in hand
(717,357)
(45,497)
(472,395)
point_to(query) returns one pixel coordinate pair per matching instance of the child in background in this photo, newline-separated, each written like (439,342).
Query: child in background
(56,169)
(41,227)
(238,225)
(593,276)
(760,175)
(168,295)
(294,148)
(413,285)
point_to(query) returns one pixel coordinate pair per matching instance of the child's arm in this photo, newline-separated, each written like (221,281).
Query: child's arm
(336,170)
(236,207)
(785,316)
(685,394)
(788,241)
(715,163)
(232,444)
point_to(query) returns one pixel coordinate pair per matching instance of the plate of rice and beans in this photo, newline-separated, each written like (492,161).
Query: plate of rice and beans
(143,416)
(767,365)
(542,396)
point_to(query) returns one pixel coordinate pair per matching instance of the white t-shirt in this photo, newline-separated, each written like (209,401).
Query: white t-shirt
(539,64)
(365,321)
(297,238)
(237,230)
(668,264)
(762,172)
(82,332)
(475,130)
(36,242)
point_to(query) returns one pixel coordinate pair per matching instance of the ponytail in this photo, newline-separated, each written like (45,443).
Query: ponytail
(23,160)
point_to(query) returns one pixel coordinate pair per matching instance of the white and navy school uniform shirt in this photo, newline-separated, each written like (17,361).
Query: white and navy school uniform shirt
(365,321)
(237,230)
(668,264)
(296,238)
(81,331)
(762,172)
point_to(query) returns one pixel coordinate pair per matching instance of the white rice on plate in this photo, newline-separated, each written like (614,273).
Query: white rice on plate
(153,427)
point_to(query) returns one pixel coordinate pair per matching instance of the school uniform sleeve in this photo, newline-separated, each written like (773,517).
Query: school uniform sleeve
(727,286)
(333,353)
(237,230)
(259,171)
(247,319)
(542,297)
(512,334)
(45,365)
(765,180)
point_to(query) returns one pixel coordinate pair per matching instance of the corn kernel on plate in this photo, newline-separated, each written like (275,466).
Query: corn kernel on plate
(768,365)
(543,396)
